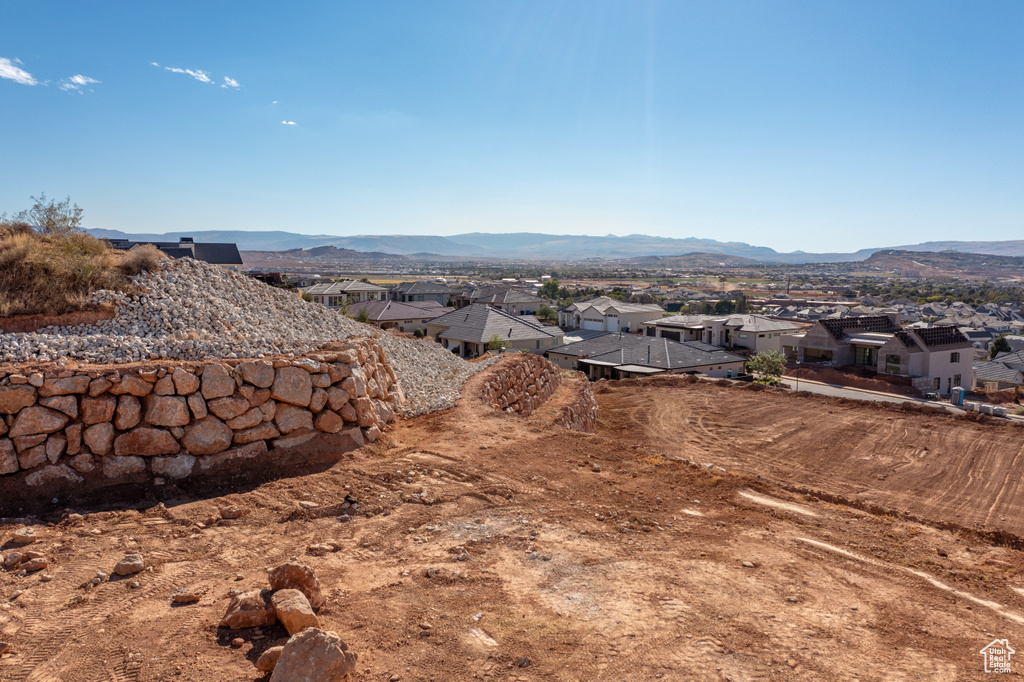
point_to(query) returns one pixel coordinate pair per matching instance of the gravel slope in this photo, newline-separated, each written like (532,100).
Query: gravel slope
(191,310)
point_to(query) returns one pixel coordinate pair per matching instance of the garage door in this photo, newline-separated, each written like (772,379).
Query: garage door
(597,325)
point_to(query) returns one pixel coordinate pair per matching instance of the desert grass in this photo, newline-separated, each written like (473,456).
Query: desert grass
(52,275)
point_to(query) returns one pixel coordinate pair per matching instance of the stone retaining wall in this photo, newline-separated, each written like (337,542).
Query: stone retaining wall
(522,383)
(177,420)
(581,414)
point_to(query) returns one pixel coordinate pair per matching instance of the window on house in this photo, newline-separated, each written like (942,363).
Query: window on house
(865,356)
(538,344)
(743,336)
(760,336)
(936,384)
(954,357)
(956,380)
(892,364)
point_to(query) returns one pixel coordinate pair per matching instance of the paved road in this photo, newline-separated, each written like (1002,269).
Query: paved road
(859,394)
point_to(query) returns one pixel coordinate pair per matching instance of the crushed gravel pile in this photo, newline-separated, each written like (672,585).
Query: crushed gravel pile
(191,310)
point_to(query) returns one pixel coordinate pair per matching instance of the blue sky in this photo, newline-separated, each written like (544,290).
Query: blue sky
(818,126)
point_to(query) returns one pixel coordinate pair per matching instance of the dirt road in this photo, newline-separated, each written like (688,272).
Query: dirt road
(534,553)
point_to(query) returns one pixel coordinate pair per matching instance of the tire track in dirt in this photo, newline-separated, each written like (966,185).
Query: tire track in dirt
(942,468)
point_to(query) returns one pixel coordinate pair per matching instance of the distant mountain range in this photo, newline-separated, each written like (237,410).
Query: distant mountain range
(536,246)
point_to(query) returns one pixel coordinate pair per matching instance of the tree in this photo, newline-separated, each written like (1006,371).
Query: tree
(1000,345)
(549,289)
(52,218)
(546,312)
(725,307)
(363,316)
(419,333)
(495,342)
(767,366)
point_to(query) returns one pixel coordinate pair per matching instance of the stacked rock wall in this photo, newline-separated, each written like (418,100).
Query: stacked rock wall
(522,384)
(581,414)
(176,420)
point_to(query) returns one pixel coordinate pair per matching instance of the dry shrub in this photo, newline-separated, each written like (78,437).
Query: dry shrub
(141,258)
(53,274)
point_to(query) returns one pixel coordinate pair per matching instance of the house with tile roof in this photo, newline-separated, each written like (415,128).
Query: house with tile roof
(421,291)
(403,317)
(617,355)
(345,292)
(608,314)
(211,252)
(934,358)
(997,376)
(747,332)
(510,300)
(467,331)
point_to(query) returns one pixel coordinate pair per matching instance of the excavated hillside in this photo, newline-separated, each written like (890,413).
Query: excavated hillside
(486,545)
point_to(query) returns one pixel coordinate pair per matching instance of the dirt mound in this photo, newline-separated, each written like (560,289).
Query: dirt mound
(855,379)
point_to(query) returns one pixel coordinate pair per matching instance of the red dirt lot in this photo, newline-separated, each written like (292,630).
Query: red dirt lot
(535,553)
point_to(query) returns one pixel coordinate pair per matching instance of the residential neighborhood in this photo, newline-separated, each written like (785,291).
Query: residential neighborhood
(934,347)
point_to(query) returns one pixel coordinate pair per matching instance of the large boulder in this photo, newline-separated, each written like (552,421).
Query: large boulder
(319,399)
(122,467)
(336,397)
(249,610)
(217,382)
(293,610)
(296,576)
(14,398)
(197,404)
(68,404)
(32,457)
(8,458)
(146,441)
(291,418)
(38,419)
(365,413)
(268,659)
(257,433)
(329,422)
(259,373)
(73,432)
(175,466)
(129,412)
(228,408)
(131,384)
(99,438)
(292,385)
(98,409)
(65,386)
(185,383)
(314,656)
(165,410)
(207,436)
(246,420)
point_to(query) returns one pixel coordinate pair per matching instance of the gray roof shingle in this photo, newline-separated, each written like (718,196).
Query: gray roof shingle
(478,322)
(648,351)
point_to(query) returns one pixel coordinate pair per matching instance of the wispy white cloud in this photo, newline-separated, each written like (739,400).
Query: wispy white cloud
(274,102)
(229,83)
(288,123)
(11,72)
(198,74)
(76,83)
